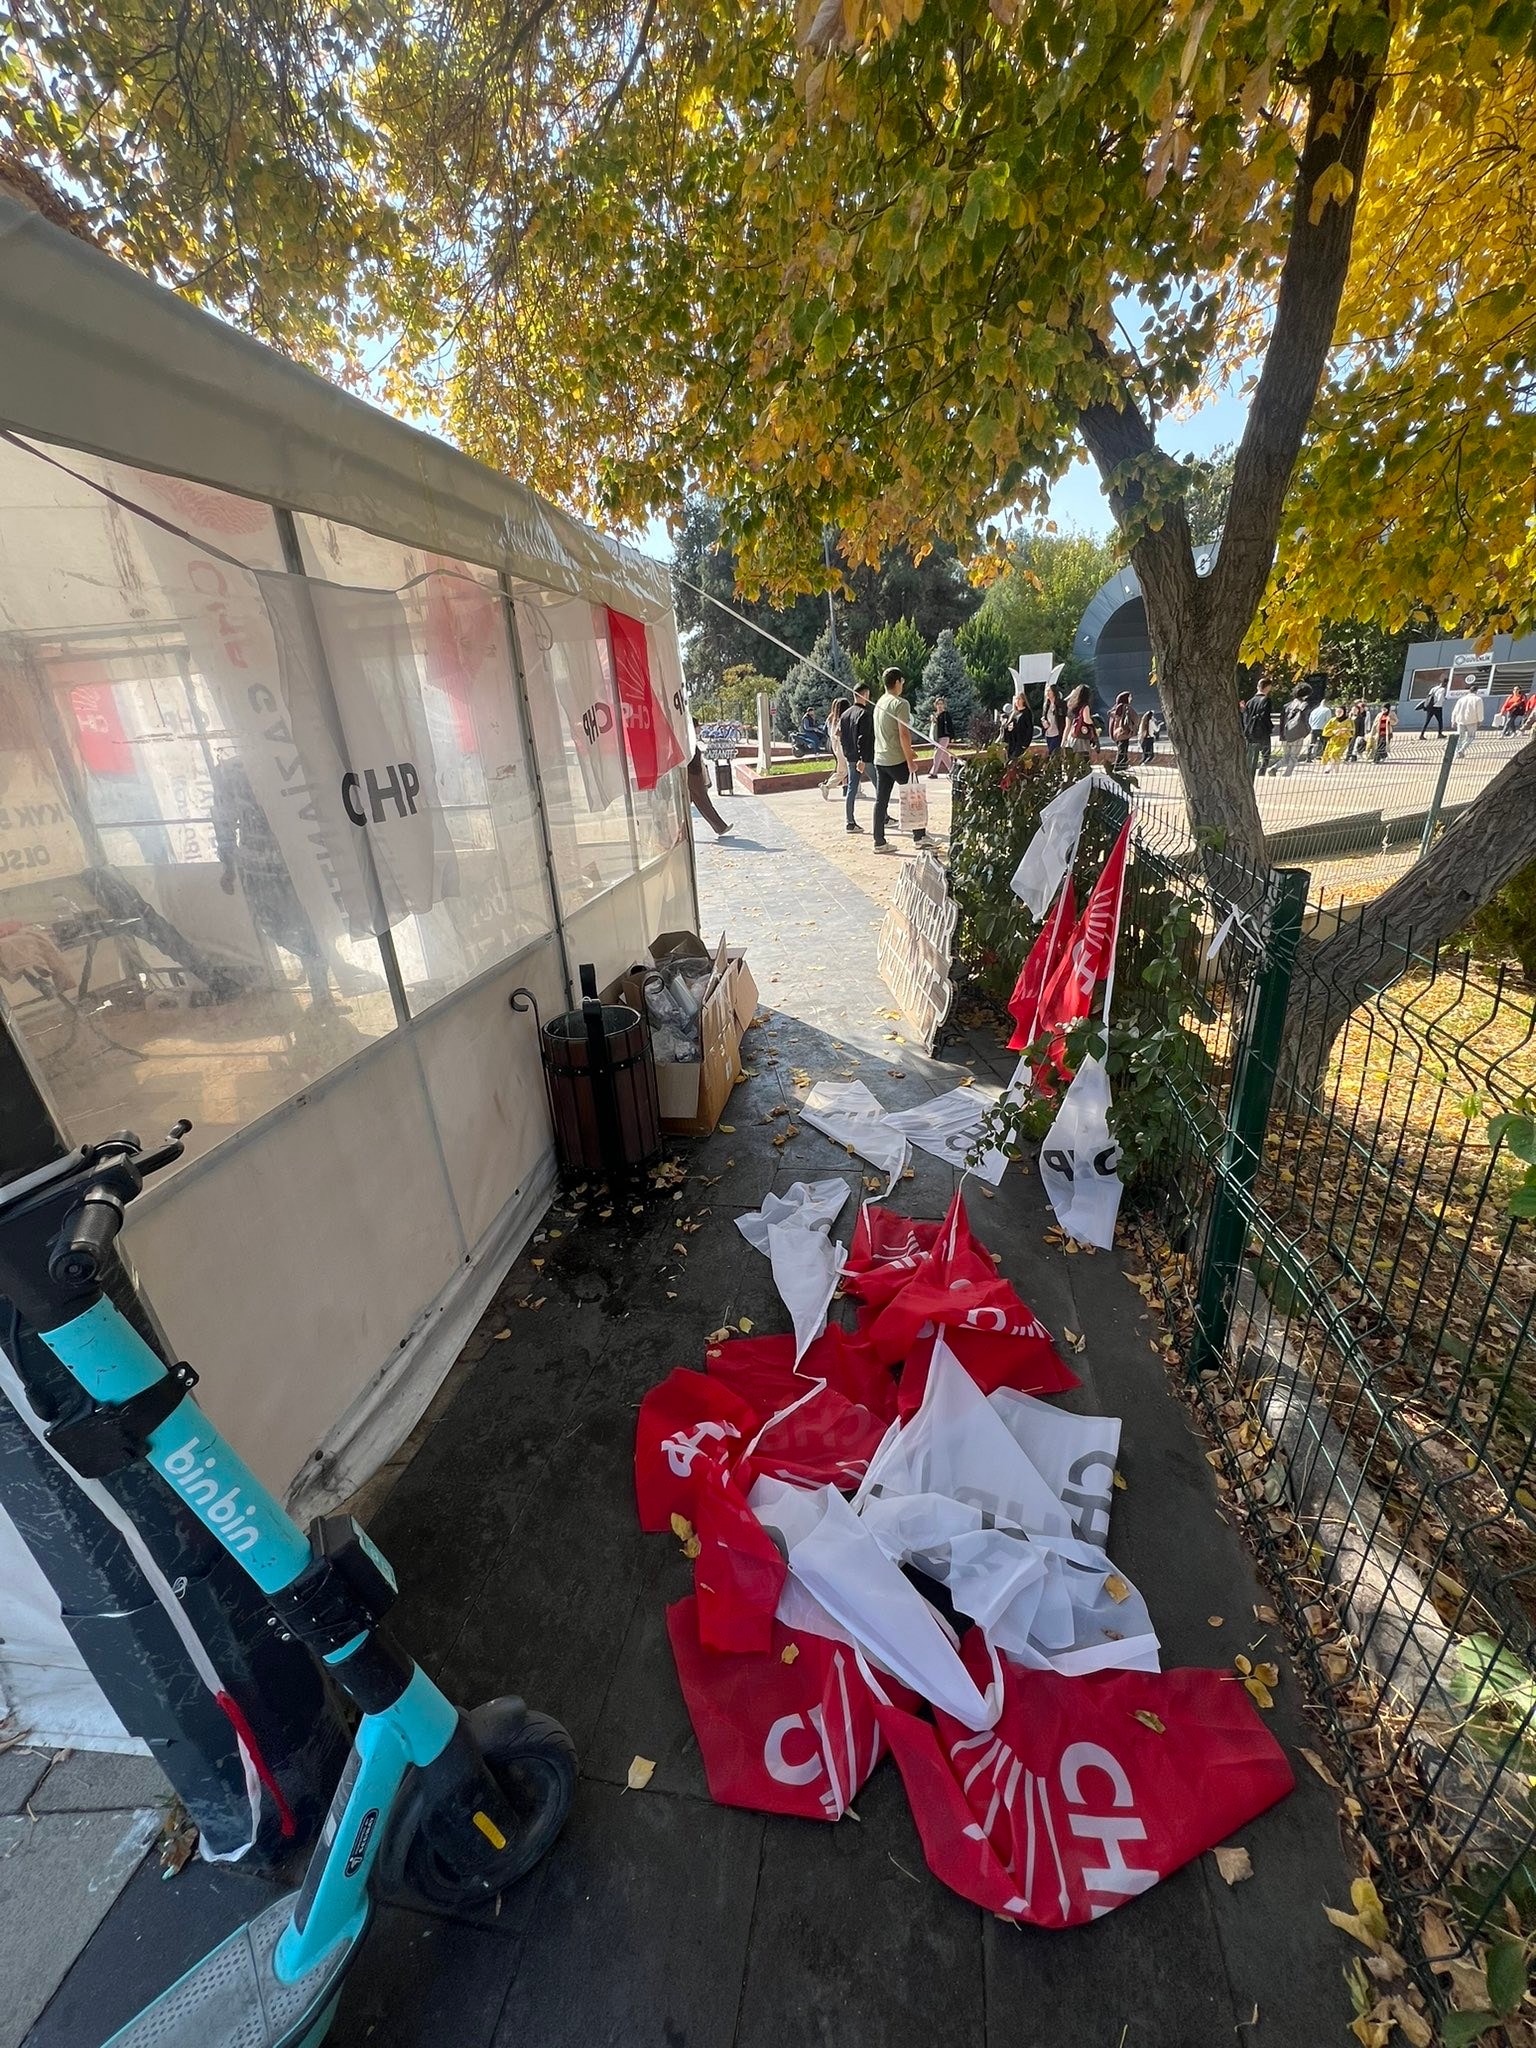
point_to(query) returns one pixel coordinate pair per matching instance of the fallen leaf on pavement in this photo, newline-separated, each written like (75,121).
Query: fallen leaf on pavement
(1213,1621)
(1234,1864)
(718,1336)
(1323,1772)
(744,1324)
(1076,1341)
(502,1336)
(641,1771)
(1368,1923)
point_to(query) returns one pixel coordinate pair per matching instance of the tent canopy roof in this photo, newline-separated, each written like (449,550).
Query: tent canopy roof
(99,358)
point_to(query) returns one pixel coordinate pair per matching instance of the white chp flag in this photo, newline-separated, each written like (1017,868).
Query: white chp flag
(794,1229)
(1080,1161)
(848,1114)
(1049,854)
(949,1127)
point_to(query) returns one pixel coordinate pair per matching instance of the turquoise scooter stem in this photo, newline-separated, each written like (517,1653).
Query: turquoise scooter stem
(113,1363)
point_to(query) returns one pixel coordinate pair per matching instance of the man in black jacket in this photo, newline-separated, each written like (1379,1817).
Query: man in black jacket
(1259,729)
(856,729)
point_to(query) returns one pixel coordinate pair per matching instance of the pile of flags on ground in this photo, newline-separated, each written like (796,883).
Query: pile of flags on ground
(898,1545)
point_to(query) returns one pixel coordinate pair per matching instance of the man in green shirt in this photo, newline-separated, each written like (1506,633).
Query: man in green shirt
(894,758)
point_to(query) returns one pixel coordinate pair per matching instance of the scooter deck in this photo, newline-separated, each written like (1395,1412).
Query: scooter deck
(233,1999)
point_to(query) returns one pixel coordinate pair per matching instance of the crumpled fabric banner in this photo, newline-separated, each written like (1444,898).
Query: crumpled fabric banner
(1074,1454)
(795,1230)
(1080,1161)
(949,1127)
(839,1563)
(848,1114)
(1082,1795)
(799,1737)
(1049,854)
(816,1426)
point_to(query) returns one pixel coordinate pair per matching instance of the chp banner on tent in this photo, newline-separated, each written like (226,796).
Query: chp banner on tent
(649,734)
(355,812)
(568,640)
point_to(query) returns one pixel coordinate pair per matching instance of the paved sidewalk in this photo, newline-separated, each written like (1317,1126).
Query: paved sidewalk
(74,1827)
(661,1920)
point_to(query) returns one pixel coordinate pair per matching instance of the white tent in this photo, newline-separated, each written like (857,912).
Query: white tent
(312,747)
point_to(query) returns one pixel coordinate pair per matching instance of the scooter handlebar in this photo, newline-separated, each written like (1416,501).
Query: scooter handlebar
(77,1261)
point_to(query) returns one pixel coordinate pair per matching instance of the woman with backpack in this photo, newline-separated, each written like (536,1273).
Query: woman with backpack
(1122,728)
(1081,727)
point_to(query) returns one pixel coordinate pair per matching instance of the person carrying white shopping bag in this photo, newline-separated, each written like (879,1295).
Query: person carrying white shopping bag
(895,762)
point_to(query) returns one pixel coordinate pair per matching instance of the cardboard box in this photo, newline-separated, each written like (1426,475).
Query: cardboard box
(693,1094)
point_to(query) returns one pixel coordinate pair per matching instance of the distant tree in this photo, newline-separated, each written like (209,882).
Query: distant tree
(947,676)
(808,685)
(1362,660)
(988,652)
(896,645)
(716,640)
(933,593)
(1205,499)
(1038,602)
(736,697)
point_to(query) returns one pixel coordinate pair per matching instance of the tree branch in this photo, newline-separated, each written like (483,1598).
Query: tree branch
(1306,309)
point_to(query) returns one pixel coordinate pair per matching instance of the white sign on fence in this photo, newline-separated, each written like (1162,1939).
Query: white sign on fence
(916,938)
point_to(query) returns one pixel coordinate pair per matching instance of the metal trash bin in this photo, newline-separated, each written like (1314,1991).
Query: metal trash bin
(601,1081)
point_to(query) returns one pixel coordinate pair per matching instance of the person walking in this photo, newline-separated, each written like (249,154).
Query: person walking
(838,779)
(1317,724)
(1467,717)
(894,758)
(1294,730)
(1147,733)
(1081,734)
(1338,734)
(1259,730)
(1122,728)
(1018,728)
(1359,714)
(1053,718)
(1434,708)
(1514,708)
(858,750)
(1386,725)
(943,740)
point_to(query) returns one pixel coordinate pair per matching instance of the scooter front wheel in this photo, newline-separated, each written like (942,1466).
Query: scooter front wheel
(533,1761)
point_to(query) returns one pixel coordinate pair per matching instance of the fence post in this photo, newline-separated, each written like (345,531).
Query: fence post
(1243,1147)
(1447,756)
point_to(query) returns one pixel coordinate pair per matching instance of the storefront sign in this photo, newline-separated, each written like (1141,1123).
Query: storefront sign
(915,942)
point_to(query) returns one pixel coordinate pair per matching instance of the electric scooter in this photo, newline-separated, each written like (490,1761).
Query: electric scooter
(434,1806)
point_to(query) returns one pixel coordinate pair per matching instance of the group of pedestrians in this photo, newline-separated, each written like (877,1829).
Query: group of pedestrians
(872,742)
(1311,728)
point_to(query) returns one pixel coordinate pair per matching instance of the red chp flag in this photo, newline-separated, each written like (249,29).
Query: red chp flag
(686,1423)
(1083,1795)
(1068,995)
(648,734)
(797,1737)
(990,1330)
(1041,962)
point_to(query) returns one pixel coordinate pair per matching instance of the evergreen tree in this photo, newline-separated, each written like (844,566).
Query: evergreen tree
(988,654)
(807,686)
(897,644)
(947,676)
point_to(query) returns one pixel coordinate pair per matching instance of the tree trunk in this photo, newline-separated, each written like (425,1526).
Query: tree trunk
(1198,684)
(1486,847)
